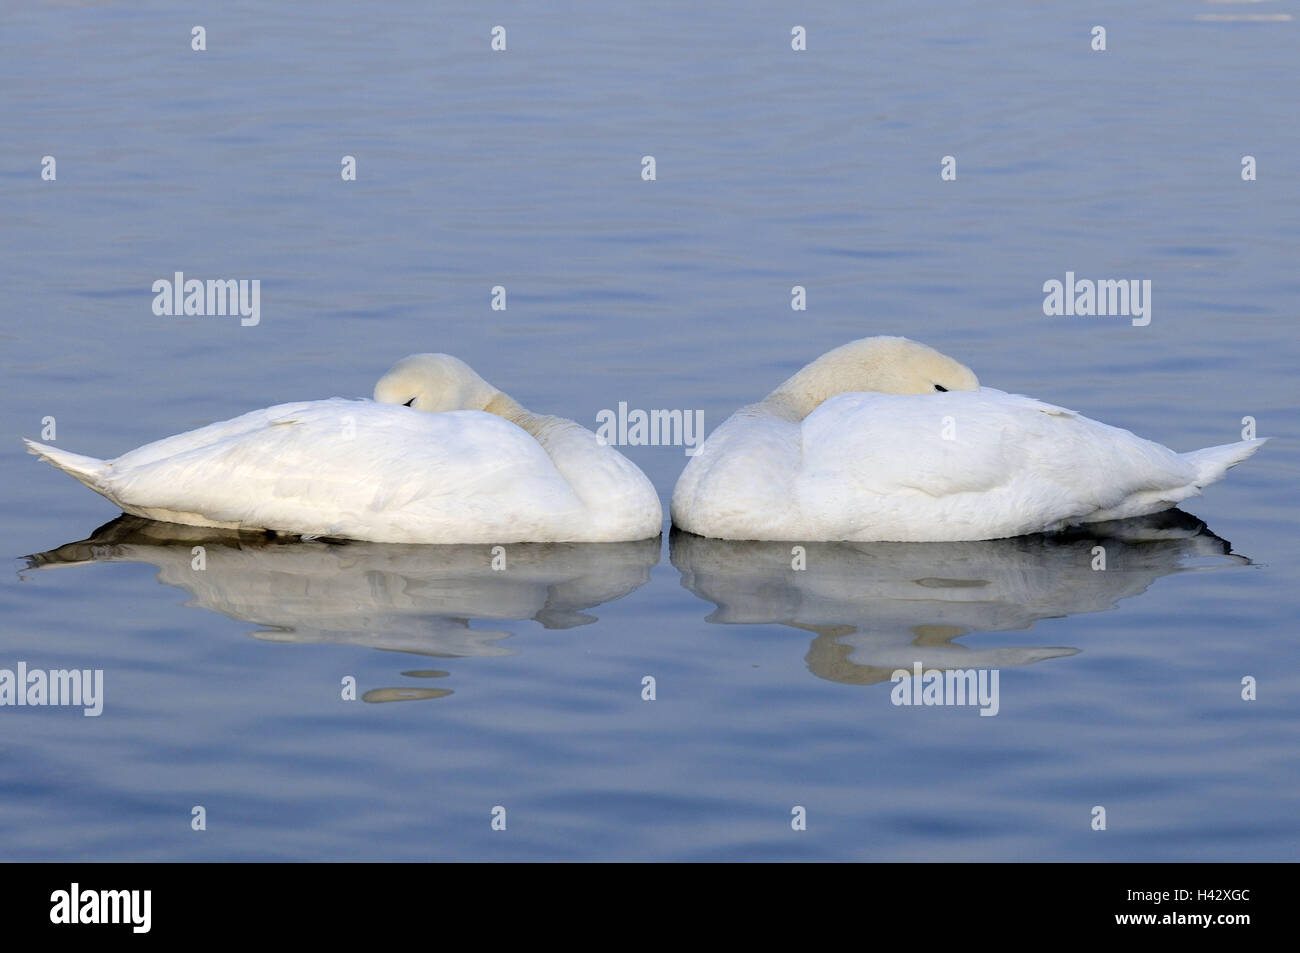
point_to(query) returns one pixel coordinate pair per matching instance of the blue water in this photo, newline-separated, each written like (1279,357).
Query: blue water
(522,168)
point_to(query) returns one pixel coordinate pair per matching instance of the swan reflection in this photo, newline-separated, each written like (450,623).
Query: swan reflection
(399,598)
(878,607)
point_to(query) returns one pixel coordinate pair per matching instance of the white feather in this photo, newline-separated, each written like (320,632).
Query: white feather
(968,464)
(383,472)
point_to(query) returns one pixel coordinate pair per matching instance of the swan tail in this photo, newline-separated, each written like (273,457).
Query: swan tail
(1213,462)
(88,470)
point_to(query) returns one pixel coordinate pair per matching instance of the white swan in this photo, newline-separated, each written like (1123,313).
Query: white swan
(887,439)
(476,468)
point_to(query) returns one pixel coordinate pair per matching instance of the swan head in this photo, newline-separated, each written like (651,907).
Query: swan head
(886,365)
(435,383)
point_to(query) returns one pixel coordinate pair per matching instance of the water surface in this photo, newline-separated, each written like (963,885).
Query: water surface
(476,689)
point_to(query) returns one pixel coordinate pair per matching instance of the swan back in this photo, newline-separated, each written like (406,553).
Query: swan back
(742,482)
(619,501)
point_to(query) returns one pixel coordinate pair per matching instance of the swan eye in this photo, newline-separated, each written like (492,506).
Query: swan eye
(941,388)
(409,402)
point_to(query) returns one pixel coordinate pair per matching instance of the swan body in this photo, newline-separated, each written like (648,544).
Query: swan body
(439,456)
(885,439)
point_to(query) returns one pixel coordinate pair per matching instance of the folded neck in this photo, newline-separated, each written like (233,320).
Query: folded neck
(505,406)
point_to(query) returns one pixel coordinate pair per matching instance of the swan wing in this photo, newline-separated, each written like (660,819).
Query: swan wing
(970,465)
